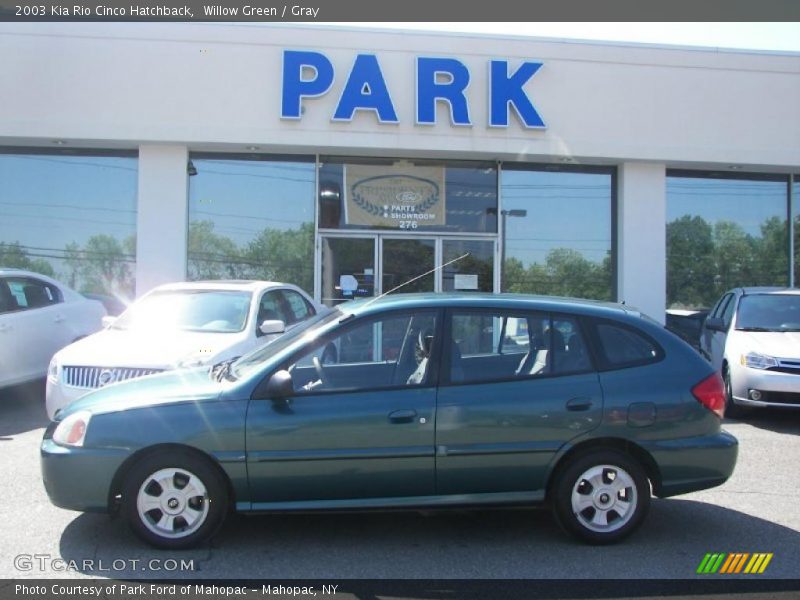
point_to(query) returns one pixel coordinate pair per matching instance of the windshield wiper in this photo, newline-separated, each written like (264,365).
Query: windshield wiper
(756,329)
(223,370)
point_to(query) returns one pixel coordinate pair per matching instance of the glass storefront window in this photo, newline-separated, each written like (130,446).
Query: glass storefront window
(796,222)
(71,216)
(252,218)
(724,231)
(556,224)
(407,196)
(472,273)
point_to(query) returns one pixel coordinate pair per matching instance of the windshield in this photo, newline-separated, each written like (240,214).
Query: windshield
(307,330)
(769,312)
(209,311)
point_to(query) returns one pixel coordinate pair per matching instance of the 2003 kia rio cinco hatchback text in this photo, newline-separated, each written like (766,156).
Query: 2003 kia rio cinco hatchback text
(430,400)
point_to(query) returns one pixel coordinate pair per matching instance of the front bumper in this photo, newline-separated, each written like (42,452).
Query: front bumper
(79,478)
(777,389)
(58,395)
(692,464)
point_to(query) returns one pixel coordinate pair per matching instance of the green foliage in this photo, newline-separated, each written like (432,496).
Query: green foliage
(565,272)
(703,261)
(12,255)
(274,255)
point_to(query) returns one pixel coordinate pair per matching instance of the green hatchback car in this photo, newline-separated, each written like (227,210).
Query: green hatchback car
(407,401)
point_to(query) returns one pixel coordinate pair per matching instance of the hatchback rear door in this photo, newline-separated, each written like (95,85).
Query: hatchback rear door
(516,387)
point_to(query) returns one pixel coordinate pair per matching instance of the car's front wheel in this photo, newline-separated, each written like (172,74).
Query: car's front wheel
(601,497)
(174,500)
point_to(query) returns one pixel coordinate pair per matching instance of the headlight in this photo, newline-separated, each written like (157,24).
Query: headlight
(52,370)
(72,430)
(754,360)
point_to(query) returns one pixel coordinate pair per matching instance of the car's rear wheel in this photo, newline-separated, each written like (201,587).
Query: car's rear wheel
(174,500)
(732,410)
(601,496)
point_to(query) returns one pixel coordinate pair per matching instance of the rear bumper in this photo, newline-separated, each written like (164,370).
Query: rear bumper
(79,478)
(692,464)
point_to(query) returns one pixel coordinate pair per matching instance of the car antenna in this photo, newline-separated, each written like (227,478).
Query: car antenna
(394,289)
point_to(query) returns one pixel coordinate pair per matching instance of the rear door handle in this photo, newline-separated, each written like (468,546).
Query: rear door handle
(579,404)
(4,327)
(402,416)
(59,319)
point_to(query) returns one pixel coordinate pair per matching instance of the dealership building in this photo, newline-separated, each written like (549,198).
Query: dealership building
(352,162)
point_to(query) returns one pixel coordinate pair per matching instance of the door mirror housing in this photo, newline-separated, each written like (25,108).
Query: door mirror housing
(280,385)
(271,326)
(715,324)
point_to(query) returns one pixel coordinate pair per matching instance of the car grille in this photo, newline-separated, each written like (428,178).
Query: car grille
(788,398)
(787,365)
(95,377)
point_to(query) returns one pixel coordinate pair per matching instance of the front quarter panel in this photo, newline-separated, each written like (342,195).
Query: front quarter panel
(214,427)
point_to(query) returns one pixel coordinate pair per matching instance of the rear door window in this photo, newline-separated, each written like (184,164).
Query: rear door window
(498,345)
(622,346)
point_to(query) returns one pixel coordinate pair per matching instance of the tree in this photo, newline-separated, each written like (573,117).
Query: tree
(283,255)
(690,262)
(772,261)
(212,256)
(13,255)
(105,267)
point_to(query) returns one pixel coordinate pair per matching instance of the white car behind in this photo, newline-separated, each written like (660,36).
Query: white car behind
(752,337)
(175,326)
(38,317)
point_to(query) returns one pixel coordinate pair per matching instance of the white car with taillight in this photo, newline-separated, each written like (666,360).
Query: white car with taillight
(38,317)
(752,338)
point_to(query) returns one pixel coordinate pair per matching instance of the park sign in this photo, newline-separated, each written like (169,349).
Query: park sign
(308,74)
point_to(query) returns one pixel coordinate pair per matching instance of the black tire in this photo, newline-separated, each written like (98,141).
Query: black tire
(732,410)
(211,505)
(607,463)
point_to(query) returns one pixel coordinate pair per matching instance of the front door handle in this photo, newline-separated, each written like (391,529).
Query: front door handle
(4,327)
(59,319)
(402,416)
(579,404)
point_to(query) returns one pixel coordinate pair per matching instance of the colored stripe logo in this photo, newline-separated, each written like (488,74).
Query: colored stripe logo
(733,563)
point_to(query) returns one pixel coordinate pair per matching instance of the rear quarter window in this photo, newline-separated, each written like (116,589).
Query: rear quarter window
(623,346)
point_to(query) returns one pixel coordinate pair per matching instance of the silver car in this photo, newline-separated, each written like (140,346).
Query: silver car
(752,337)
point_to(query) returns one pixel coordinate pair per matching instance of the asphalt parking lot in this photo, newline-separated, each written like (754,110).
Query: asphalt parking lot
(756,511)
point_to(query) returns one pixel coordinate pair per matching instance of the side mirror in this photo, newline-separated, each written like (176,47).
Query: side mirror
(715,324)
(108,321)
(280,386)
(271,326)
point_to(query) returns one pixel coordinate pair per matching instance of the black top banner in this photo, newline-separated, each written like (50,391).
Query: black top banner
(406,10)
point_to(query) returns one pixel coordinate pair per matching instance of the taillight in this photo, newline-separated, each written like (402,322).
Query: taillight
(711,393)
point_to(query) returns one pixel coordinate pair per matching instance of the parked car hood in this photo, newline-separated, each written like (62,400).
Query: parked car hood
(165,388)
(121,348)
(781,344)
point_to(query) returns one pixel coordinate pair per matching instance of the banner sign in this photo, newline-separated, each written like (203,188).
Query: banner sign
(395,197)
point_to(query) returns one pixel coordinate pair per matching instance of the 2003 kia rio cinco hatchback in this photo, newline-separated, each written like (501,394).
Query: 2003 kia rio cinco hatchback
(431,401)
